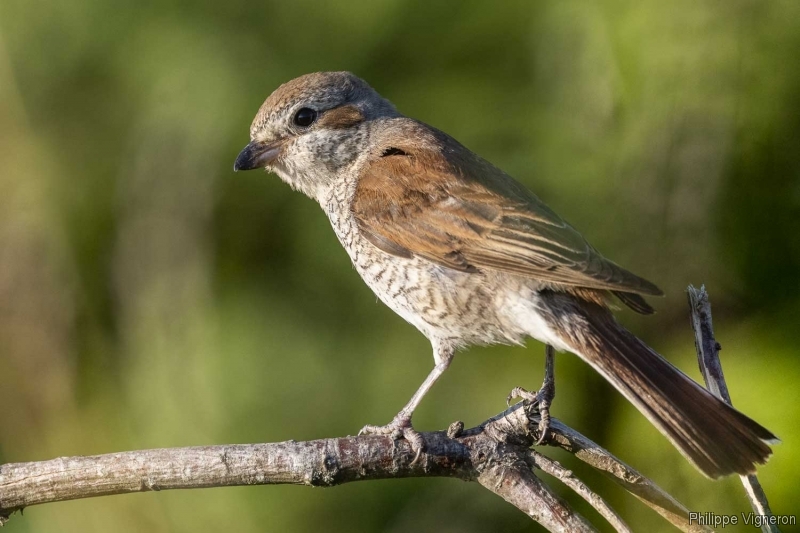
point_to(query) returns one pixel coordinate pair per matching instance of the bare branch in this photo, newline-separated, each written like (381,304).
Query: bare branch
(515,482)
(626,476)
(496,454)
(554,468)
(711,368)
(326,462)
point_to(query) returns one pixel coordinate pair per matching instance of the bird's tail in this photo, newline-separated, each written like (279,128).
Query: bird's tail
(712,435)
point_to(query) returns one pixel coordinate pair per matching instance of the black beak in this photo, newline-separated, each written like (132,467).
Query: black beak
(257,154)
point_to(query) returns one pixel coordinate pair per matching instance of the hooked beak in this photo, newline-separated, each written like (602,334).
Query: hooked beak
(257,154)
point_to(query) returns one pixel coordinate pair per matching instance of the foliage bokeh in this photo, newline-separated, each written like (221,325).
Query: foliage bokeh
(149,297)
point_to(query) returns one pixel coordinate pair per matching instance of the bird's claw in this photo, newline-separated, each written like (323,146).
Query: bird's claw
(542,398)
(399,428)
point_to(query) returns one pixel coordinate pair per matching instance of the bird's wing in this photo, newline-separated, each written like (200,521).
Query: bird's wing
(443,203)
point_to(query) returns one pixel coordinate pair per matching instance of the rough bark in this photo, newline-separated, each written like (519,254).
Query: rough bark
(495,454)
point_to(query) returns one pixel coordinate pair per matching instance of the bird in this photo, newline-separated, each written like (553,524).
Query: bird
(469,256)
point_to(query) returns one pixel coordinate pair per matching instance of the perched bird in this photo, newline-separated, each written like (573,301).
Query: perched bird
(469,256)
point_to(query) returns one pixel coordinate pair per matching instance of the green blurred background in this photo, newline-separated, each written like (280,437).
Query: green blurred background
(150,297)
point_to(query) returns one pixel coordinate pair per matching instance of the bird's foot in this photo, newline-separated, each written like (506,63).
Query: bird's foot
(543,399)
(399,427)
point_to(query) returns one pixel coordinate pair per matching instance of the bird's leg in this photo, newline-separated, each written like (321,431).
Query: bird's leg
(400,426)
(544,396)
(546,393)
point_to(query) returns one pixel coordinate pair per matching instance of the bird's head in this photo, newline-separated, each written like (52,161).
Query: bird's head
(312,128)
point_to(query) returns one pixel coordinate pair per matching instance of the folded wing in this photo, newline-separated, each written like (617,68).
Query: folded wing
(454,209)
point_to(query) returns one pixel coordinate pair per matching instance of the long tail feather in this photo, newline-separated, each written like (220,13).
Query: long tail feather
(715,437)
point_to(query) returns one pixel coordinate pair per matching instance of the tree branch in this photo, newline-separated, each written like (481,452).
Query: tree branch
(710,366)
(549,466)
(496,454)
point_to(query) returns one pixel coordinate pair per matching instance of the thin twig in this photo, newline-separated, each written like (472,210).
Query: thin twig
(624,475)
(568,478)
(711,368)
(515,482)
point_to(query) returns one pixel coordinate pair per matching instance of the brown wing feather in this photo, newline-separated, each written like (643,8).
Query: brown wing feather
(440,202)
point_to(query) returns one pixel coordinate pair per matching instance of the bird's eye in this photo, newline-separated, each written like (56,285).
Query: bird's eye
(305,117)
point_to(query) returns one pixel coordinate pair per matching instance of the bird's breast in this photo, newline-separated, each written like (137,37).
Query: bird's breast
(444,304)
